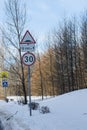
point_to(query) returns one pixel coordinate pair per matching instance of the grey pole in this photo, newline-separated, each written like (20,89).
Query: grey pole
(29,90)
(5,92)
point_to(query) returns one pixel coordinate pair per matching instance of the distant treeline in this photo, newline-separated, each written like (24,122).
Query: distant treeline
(63,66)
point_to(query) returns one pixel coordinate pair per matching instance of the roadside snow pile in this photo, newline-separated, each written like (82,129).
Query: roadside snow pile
(66,112)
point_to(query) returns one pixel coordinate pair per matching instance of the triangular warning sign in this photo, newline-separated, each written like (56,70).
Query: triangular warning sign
(27,38)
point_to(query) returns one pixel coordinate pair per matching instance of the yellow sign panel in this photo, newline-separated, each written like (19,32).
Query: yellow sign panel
(4,74)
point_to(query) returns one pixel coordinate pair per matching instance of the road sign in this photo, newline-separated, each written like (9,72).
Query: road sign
(5,83)
(27,38)
(28,59)
(4,74)
(27,47)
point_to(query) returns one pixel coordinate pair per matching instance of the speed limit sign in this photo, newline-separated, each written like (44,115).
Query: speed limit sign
(28,58)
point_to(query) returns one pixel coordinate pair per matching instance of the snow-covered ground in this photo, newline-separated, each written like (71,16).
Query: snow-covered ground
(67,112)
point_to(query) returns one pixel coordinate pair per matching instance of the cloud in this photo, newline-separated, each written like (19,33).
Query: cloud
(73,6)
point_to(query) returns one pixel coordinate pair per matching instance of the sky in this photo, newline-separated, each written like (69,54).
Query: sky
(44,15)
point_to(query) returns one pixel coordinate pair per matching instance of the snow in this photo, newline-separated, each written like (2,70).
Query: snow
(67,112)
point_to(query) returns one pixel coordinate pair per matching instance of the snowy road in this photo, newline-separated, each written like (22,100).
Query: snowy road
(4,124)
(9,122)
(1,126)
(6,121)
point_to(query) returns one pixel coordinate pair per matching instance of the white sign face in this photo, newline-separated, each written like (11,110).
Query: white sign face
(27,47)
(28,59)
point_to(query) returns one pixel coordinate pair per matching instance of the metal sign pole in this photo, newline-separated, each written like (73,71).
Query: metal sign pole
(27,45)
(29,90)
(5,92)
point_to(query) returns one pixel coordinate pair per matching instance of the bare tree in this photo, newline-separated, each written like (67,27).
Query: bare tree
(12,34)
(84,44)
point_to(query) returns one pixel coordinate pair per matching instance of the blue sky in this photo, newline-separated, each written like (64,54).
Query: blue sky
(44,15)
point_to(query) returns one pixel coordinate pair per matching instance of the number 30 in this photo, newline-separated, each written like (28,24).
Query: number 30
(28,59)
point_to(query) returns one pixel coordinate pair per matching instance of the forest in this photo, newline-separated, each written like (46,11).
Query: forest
(63,66)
